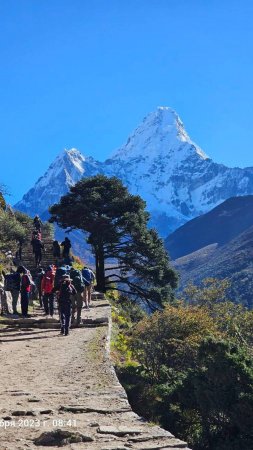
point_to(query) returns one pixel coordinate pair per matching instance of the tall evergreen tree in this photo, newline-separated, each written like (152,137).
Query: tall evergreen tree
(115,223)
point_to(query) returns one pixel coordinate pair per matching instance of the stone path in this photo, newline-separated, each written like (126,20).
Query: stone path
(61,391)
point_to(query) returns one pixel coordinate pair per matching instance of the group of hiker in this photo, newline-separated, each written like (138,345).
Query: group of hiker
(60,285)
(63,287)
(38,245)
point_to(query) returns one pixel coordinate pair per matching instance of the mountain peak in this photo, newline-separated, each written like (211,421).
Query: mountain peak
(161,133)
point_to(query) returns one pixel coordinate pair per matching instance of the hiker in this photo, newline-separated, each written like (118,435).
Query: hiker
(12,283)
(37,246)
(37,281)
(37,223)
(26,284)
(36,235)
(47,286)
(56,250)
(65,292)
(60,272)
(88,278)
(3,296)
(66,244)
(77,299)
(19,250)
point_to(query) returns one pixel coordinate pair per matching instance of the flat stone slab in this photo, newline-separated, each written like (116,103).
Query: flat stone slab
(89,409)
(119,431)
(97,320)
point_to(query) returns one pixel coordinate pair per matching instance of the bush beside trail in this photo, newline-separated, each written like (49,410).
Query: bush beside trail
(189,367)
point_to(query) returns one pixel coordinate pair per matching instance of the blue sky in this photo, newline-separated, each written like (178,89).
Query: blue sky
(84,73)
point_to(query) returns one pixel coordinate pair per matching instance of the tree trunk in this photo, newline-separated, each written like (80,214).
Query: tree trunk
(100,268)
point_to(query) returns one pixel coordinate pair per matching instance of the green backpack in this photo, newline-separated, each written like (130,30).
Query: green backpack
(77,280)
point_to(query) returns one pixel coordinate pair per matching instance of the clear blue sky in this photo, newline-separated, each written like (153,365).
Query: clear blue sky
(83,73)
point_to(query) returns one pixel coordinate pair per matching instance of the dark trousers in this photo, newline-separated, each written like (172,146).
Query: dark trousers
(24,302)
(38,258)
(48,303)
(65,313)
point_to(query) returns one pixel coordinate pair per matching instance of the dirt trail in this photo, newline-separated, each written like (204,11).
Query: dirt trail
(66,388)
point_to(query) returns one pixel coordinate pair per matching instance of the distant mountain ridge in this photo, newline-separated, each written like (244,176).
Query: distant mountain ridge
(218,244)
(218,226)
(160,163)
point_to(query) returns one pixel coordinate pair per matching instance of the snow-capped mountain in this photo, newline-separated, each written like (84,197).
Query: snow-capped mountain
(159,162)
(68,168)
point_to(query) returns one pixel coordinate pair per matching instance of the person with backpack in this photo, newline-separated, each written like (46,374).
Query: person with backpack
(88,279)
(60,272)
(37,246)
(47,289)
(37,281)
(56,249)
(26,284)
(12,283)
(3,296)
(66,291)
(37,223)
(66,244)
(77,299)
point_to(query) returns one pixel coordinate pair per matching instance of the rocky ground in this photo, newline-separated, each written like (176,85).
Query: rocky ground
(59,391)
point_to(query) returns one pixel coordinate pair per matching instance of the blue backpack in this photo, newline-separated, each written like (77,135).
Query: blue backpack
(88,276)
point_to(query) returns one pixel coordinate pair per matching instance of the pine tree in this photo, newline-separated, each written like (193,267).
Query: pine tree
(115,223)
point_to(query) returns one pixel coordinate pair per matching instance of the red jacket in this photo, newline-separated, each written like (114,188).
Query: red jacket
(25,283)
(47,282)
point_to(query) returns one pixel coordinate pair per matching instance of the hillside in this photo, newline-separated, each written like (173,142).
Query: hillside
(218,226)
(227,250)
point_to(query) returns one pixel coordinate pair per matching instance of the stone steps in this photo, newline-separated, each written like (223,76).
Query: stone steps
(27,254)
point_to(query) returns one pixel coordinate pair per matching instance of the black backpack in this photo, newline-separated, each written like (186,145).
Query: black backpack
(63,270)
(12,282)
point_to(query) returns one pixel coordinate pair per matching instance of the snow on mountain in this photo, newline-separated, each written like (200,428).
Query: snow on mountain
(159,162)
(68,168)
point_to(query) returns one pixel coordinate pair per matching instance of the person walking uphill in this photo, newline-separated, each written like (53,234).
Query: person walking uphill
(37,250)
(66,244)
(56,249)
(66,291)
(37,223)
